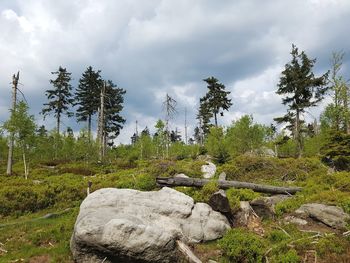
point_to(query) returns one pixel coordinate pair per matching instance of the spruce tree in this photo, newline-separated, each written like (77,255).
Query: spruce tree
(87,96)
(301,90)
(60,97)
(114,99)
(216,98)
(203,116)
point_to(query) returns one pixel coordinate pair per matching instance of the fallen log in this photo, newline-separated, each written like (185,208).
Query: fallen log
(223,184)
(187,252)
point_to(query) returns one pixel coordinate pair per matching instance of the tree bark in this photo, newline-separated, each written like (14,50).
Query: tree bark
(187,252)
(298,134)
(216,120)
(58,123)
(89,127)
(197,182)
(12,136)
(25,166)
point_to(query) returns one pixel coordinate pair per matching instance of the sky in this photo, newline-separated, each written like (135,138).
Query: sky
(154,47)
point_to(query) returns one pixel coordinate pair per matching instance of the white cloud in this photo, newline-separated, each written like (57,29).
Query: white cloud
(159,46)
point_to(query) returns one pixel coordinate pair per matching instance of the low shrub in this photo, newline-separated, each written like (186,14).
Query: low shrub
(243,194)
(239,245)
(291,256)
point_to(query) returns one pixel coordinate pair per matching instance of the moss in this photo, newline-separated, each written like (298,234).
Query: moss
(243,194)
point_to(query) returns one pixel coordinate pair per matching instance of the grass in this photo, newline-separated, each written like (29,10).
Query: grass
(38,239)
(24,235)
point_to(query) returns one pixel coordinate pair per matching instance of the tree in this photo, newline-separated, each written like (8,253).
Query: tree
(216,98)
(87,96)
(245,136)
(336,115)
(204,115)
(22,125)
(301,90)
(175,136)
(336,151)
(114,99)
(60,98)
(216,144)
(169,106)
(160,138)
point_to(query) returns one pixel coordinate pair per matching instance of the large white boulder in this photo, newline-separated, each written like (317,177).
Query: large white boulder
(124,225)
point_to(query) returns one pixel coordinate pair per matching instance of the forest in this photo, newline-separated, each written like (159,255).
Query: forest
(45,174)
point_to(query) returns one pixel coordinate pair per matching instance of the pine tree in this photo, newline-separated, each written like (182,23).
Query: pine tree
(203,116)
(114,99)
(216,98)
(301,90)
(87,96)
(60,98)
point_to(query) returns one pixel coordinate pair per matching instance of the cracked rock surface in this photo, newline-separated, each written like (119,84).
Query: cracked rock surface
(125,225)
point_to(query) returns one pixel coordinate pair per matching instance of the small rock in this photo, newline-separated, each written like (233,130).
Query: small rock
(208,170)
(180,176)
(219,202)
(265,206)
(37,182)
(332,216)
(295,220)
(222,176)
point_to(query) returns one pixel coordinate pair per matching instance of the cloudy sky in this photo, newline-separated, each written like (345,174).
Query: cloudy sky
(155,47)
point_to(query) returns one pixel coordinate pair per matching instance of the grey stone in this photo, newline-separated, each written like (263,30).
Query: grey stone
(222,176)
(219,202)
(332,216)
(181,176)
(295,220)
(265,206)
(124,225)
(208,170)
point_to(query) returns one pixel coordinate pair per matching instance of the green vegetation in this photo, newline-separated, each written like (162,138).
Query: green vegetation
(63,163)
(241,246)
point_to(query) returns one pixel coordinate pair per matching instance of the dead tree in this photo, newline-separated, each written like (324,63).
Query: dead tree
(15,79)
(197,182)
(101,136)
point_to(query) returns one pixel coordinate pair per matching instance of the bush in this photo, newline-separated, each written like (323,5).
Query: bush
(290,257)
(242,194)
(254,168)
(209,189)
(241,246)
(331,244)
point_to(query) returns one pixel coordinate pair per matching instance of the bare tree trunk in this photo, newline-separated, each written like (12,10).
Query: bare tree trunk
(298,134)
(101,123)
(89,127)
(197,182)
(58,123)
(25,166)
(12,136)
(216,120)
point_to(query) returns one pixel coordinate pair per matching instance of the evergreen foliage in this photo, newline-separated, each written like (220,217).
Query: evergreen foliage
(301,90)
(215,100)
(336,151)
(114,100)
(60,97)
(87,95)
